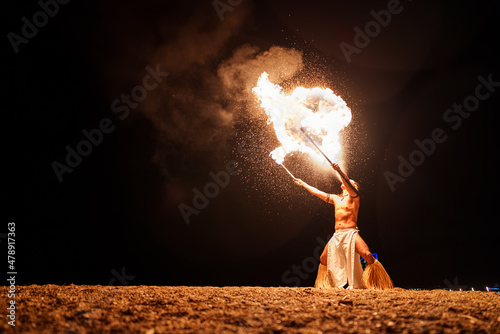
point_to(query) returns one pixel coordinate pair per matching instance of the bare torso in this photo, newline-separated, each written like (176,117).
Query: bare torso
(346,211)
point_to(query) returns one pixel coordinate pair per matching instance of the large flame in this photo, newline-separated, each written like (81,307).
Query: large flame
(320,112)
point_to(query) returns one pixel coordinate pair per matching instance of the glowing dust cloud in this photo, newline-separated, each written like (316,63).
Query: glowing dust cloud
(318,110)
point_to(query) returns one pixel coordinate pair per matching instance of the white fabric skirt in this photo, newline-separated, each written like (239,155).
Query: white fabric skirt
(343,263)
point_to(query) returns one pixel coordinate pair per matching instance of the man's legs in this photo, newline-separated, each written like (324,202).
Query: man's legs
(374,276)
(363,250)
(322,277)
(324,256)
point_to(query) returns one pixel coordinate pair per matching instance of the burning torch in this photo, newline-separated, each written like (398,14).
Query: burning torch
(334,166)
(287,171)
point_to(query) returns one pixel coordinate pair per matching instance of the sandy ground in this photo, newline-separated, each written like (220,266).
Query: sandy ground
(153,309)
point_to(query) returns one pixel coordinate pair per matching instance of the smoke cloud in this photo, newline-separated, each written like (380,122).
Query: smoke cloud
(201,114)
(212,71)
(240,73)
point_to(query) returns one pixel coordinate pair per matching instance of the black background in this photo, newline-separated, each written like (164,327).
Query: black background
(118,211)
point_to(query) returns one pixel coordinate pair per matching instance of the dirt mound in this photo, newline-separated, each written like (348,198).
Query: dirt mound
(154,309)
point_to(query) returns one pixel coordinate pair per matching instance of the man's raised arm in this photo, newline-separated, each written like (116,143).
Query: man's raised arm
(316,192)
(353,192)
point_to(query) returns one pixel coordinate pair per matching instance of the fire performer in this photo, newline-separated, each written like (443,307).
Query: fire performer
(340,261)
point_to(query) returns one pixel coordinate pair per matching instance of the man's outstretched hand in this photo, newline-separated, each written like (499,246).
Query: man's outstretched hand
(298,182)
(336,167)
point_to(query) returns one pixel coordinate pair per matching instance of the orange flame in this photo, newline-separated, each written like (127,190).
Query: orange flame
(318,110)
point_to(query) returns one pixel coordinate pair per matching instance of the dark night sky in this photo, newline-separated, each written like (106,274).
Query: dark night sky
(118,210)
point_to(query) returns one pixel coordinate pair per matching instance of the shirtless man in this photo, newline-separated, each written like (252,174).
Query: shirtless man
(346,216)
